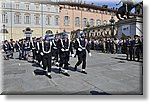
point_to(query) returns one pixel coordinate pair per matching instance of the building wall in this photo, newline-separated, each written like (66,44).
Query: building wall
(82,13)
(15,31)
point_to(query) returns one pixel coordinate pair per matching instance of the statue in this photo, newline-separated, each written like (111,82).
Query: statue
(139,8)
(125,9)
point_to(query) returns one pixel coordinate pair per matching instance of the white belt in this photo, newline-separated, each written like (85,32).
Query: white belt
(80,49)
(55,47)
(46,52)
(65,50)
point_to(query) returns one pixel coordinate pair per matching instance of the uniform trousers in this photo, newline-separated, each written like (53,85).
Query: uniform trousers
(38,57)
(81,58)
(46,60)
(55,54)
(64,59)
(34,53)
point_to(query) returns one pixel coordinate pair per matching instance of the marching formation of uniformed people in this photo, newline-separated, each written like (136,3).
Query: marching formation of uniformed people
(46,52)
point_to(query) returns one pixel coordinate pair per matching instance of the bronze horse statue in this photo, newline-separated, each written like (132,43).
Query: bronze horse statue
(126,8)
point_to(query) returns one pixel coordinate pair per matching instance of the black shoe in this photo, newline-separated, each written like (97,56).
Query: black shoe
(84,72)
(49,76)
(59,70)
(66,74)
(75,68)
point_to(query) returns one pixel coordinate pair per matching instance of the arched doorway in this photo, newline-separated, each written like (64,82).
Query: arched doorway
(49,32)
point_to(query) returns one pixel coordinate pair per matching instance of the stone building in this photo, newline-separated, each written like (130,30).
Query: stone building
(21,18)
(18,16)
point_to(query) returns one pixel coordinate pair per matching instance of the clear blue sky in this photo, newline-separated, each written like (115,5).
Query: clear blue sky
(110,3)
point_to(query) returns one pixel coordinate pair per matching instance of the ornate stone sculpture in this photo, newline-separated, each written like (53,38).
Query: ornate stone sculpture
(125,10)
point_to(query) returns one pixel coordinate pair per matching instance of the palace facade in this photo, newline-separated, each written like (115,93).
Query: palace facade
(17,17)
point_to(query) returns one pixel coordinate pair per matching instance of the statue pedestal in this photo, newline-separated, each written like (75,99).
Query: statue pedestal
(130,27)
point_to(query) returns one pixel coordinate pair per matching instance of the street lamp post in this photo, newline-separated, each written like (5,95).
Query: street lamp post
(88,30)
(4,31)
(112,22)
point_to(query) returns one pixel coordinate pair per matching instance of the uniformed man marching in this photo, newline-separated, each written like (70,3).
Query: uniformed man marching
(46,55)
(34,44)
(65,49)
(11,48)
(55,49)
(20,48)
(6,50)
(81,45)
(26,48)
(39,50)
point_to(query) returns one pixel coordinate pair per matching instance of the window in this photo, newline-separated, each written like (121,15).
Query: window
(49,9)
(91,22)
(27,19)
(37,7)
(4,18)
(48,22)
(3,5)
(84,22)
(37,19)
(77,21)
(27,7)
(66,20)
(17,18)
(56,20)
(17,6)
(57,10)
(98,22)
(105,22)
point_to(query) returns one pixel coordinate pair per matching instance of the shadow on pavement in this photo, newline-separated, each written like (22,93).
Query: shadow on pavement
(55,70)
(35,65)
(119,58)
(39,72)
(99,93)
(72,69)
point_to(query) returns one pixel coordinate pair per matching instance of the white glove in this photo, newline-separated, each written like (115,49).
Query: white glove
(42,53)
(62,50)
(79,49)
(90,54)
(72,55)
